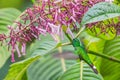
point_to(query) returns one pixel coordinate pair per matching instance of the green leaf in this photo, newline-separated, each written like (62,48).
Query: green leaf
(47,68)
(101,11)
(42,47)
(92,43)
(109,69)
(7,17)
(17,70)
(24,77)
(96,31)
(4,55)
(80,71)
(4,69)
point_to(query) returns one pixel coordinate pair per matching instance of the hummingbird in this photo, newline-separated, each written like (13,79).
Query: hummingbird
(82,53)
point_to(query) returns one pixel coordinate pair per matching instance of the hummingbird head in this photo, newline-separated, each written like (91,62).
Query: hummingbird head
(75,42)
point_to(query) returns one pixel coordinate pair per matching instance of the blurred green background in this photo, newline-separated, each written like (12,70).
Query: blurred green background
(19,4)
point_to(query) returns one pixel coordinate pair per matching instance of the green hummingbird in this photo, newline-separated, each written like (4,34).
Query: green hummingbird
(81,51)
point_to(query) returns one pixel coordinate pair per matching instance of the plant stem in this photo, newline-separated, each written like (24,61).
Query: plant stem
(68,36)
(82,29)
(81,70)
(60,52)
(65,44)
(62,59)
(105,56)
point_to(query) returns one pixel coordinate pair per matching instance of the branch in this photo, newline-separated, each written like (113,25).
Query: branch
(68,36)
(105,56)
(82,29)
(65,44)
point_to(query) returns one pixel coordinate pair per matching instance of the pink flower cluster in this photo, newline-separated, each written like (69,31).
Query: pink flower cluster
(51,16)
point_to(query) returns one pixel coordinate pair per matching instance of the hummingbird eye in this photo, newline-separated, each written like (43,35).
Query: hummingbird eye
(76,42)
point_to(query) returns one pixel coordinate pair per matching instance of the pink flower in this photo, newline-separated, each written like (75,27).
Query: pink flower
(23,50)
(12,56)
(70,32)
(18,51)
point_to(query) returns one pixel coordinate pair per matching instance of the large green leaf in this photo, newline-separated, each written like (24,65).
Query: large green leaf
(109,69)
(41,47)
(92,43)
(4,55)
(101,11)
(4,68)
(7,17)
(18,70)
(47,68)
(45,47)
(80,72)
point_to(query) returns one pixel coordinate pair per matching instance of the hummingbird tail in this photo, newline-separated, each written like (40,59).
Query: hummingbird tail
(94,68)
